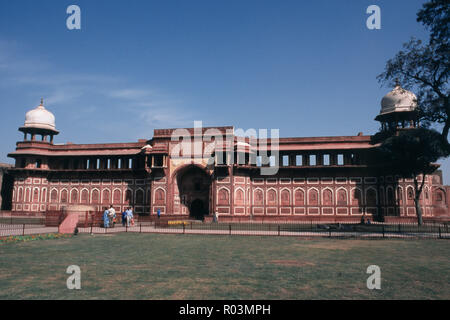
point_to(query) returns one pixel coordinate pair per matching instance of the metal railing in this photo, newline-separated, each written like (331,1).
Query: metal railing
(310,229)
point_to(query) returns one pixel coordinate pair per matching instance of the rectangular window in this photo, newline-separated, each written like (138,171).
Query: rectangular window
(258,161)
(272,161)
(340,159)
(312,160)
(326,159)
(285,161)
(299,160)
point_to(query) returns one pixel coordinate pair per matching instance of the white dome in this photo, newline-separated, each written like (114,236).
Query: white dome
(40,118)
(398,99)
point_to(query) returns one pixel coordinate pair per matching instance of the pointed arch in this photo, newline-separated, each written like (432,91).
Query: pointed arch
(139,196)
(74,195)
(299,196)
(258,197)
(84,197)
(327,197)
(239,196)
(271,197)
(313,196)
(341,196)
(285,197)
(371,197)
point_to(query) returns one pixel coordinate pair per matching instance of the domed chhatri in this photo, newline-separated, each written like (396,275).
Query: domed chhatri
(40,118)
(398,100)
(398,110)
(39,121)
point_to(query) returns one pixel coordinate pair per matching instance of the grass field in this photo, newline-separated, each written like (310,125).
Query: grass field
(153,266)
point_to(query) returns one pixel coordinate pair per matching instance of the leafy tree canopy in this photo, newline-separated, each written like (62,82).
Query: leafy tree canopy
(425,68)
(412,152)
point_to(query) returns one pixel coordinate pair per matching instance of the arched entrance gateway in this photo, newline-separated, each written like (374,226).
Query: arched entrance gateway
(194,189)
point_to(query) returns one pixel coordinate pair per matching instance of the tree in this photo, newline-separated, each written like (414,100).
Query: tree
(435,15)
(425,68)
(411,153)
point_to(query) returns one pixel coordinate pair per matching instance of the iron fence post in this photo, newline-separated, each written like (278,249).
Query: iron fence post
(23,230)
(92,223)
(183,227)
(383,230)
(140,227)
(278,230)
(440,236)
(229,227)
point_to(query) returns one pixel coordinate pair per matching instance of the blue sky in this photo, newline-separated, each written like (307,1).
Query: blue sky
(306,67)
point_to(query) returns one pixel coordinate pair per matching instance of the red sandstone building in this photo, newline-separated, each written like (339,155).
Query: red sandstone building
(320,178)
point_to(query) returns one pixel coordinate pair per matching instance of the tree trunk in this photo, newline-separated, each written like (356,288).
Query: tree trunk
(418,191)
(418,210)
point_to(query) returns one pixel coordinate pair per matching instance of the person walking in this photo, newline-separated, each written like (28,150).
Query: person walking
(129,216)
(106,218)
(124,218)
(112,216)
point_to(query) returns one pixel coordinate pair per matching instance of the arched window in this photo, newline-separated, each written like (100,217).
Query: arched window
(342,197)
(259,197)
(313,197)
(271,197)
(27,195)
(95,196)
(64,196)
(139,197)
(299,197)
(44,195)
(116,196)
(20,195)
(74,196)
(327,197)
(409,195)
(54,195)
(105,196)
(239,196)
(159,196)
(285,198)
(84,196)
(224,196)
(36,195)
(400,195)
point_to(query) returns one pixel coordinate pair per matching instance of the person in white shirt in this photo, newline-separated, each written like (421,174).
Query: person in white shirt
(112,215)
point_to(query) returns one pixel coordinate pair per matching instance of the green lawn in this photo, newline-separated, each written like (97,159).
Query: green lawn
(152,266)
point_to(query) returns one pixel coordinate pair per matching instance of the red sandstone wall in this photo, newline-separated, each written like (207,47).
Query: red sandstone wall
(236,195)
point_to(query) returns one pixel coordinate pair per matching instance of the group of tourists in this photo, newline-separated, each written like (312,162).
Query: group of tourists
(109,217)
